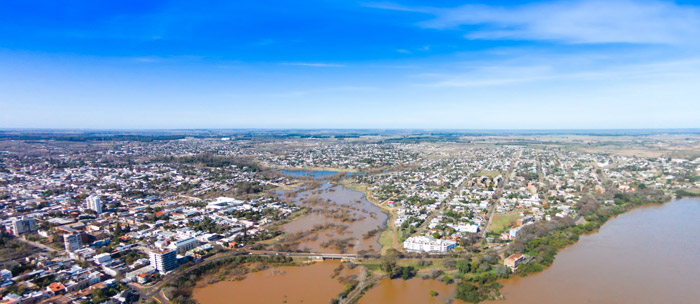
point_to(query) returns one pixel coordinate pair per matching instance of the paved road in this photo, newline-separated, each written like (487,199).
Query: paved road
(498,193)
(540,175)
(423,227)
(351,298)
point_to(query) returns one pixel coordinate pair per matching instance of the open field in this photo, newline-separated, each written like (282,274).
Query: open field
(488,173)
(502,222)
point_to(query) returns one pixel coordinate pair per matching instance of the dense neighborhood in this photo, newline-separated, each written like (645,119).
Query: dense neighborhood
(107,221)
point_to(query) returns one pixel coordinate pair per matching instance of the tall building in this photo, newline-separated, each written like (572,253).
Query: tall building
(94,203)
(163,260)
(22,226)
(72,241)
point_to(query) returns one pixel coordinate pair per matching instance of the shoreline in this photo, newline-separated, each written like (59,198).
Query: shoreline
(591,227)
(515,280)
(518,275)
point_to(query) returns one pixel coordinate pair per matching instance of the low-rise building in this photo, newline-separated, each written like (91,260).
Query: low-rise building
(428,244)
(514,260)
(102,258)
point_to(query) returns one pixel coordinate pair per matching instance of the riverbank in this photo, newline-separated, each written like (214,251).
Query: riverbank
(645,255)
(389,236)
(542,241)
(481,275)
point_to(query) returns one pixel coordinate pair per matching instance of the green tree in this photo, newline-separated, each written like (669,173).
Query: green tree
(464,266)
(388,261)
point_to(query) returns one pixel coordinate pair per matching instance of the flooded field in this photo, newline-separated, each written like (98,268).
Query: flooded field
(340,221)
(649,255)
(415,290)
(289,284)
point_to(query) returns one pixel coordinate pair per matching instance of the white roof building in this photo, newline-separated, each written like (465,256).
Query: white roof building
(428,244)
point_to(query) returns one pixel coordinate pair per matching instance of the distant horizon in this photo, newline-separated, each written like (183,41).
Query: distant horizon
(341,129)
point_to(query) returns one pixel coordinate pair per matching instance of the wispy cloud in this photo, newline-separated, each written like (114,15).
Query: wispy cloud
(315,64)
(574,22)
(557,70)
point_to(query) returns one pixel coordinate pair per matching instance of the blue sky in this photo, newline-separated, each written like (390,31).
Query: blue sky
(344,64)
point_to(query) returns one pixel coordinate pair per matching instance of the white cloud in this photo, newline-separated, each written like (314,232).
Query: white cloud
(574,22)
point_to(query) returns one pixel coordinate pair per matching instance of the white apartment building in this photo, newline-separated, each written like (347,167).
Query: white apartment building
(72,242)
(163,260)
(22,226)
(94,203)
(184,245)
(428,244)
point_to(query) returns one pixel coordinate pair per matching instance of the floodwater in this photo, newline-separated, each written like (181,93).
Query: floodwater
(288,284)
(648,255)
(415,290)
(341,220)
(317,174)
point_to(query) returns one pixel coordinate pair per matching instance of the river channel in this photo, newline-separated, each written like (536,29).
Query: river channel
(648,255)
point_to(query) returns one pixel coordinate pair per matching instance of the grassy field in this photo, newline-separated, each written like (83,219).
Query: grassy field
(488,173)
(386,239)
(694,191)
(501,223)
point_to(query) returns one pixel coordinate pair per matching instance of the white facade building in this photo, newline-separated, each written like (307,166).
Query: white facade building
(163,260)
(184,245)
(94,203)
(72,241)
(428,244)
(22,226)
(102,258)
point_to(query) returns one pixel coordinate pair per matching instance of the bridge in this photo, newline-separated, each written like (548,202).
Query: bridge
(312,255)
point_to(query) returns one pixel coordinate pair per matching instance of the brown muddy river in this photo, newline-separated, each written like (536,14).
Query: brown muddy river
(288,284)
(341,221)
(415,290)
(648,255)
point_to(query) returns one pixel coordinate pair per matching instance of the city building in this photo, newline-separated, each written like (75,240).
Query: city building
(5,274)
(184,245)
(513,261)
(71,241)
(163,260)
(21,226)
(94,203)
(428,244)
(102,258)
